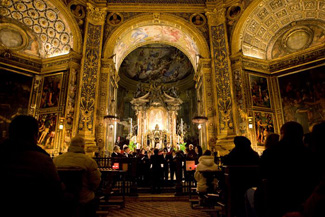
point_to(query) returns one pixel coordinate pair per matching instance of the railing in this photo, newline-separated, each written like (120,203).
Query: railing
(138,173)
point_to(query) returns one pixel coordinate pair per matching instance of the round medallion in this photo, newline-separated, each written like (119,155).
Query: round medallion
(39,5)
(28,21)
(59,26)
(297,39)
(51,15)
(198,19)
(115,19)
(12,37)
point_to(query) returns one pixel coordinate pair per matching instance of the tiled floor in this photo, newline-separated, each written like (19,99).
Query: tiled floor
(156,208)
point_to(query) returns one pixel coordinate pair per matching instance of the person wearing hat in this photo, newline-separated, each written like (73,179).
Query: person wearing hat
(76,157)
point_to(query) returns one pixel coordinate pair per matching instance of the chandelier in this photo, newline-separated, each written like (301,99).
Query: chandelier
(199,119)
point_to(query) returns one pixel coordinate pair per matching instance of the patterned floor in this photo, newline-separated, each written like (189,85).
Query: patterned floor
(156,208)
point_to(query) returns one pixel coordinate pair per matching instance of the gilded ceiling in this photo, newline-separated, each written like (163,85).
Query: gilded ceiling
(156,62)
(46,22)
(271,16)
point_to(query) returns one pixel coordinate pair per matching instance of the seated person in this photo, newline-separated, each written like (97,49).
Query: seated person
(206,163)
(76,157)
(242,154)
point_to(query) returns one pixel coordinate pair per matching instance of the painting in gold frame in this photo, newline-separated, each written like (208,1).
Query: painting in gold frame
(259,91)
(264,125)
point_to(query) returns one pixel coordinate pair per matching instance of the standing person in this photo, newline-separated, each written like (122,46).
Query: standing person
(172,163)
(30,183)
(116,152)
(127,152)
(156,170)
(76,157)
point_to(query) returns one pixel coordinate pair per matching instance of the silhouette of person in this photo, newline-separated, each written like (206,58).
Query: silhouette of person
(30,183)
(242,154)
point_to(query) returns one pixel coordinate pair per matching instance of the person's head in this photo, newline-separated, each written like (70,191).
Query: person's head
(271,140)
(292,131)
(191,146)
(168,145)
(156,151)
(116,149)
(23,128)
(242,142)
(77,143)
(198,150)
(207,153)
(317,139)
(126,149)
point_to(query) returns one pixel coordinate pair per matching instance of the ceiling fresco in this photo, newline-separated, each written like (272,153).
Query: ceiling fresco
(270,16)
(153,34)
(156,62)
(45,21)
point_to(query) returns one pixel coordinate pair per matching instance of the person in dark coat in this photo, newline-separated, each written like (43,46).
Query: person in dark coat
(288,169)
(30,182)
(242,154)
(156,171)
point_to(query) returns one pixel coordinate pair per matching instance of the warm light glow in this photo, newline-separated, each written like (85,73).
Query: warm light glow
(157,116)
(61,126)
(199,126)
(250,126)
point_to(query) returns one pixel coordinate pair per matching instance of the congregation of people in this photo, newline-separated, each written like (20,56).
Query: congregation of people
(290,182)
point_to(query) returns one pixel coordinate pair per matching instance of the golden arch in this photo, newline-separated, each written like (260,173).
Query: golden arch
(164,22)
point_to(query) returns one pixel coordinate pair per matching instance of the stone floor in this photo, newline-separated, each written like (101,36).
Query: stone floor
(140,208)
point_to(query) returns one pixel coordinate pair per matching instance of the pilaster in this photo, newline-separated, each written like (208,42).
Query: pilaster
(90,72)
(221,76)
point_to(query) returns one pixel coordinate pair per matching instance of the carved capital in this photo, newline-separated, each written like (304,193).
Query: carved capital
(96,15)
(216,16)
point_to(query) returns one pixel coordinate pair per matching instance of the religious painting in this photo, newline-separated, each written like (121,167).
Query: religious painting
(51,91)
(303,97)
(47,126)
(259,91)
(13,86)
(264,125)
(157,63)
(153,34)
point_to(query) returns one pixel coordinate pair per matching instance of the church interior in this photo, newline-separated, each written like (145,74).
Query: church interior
(150,73)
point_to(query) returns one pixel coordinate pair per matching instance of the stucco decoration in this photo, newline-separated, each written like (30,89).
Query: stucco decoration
(296,38)
(266,18)
(12,37)
(156,62)
(45,20)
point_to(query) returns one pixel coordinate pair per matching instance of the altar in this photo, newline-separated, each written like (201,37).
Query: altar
(156,111)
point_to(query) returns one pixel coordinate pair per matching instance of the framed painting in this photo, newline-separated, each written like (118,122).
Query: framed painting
(13,86)
(47,126)
(51,91)
(264,125)
(303,97)
(259,91)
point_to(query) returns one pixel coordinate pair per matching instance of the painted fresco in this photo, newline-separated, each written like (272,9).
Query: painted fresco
(51,91)
(13,86)
(303,97)
(46,135)
(159,63)
(260,92)
(264,125)
(155,33)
